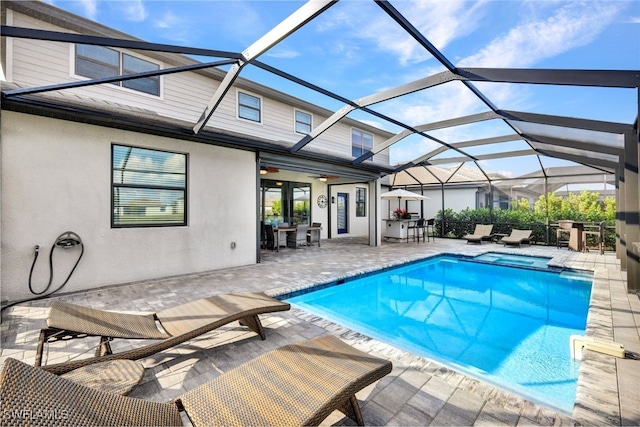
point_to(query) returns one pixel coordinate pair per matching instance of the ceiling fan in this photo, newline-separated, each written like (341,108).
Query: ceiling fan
(323,178)
(265,170)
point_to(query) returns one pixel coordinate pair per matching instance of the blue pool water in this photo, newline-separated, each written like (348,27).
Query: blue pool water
(507,326)
(515,260)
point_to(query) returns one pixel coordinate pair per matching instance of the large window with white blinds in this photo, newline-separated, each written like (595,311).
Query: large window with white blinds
(149,187)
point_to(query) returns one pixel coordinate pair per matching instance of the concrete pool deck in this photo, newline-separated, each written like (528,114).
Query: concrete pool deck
(417,392)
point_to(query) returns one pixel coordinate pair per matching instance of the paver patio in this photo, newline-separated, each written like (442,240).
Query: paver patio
(417,392)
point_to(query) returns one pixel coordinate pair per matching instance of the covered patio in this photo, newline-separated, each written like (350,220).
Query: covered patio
(418,391)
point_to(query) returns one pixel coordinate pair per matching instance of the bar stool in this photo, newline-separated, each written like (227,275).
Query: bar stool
(599,233)
(431,224)
(564,226)
(418,228)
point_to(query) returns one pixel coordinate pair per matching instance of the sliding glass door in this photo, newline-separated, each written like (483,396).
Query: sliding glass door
(285,201)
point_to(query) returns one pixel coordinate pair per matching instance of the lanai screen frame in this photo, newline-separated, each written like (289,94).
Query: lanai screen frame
(619,159)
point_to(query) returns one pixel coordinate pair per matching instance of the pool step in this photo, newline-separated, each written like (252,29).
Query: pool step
(578,343)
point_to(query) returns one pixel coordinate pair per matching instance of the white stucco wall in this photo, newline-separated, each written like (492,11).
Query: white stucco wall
(356,226)
(56,178)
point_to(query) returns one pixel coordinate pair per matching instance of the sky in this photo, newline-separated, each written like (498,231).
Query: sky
(355,49)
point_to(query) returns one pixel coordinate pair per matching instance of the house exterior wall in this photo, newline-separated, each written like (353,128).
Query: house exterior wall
(56,178)
(183,95)
(356,226)
(56,174)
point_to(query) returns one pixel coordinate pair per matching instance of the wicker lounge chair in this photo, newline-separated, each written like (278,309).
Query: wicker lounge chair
(517,237)
(179,324)
(298,384)
(482,232)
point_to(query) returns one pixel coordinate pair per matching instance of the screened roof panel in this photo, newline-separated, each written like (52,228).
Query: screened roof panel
(579,135)
(408,68)
(504,147)
(576,152)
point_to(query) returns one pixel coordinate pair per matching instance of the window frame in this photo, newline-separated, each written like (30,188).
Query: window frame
(143,186)
(360,146)
(297,122)
(125,85)
(239,107)
(361,202)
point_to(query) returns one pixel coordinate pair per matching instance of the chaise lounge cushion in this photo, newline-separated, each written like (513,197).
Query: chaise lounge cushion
(482,231)
(298,384)
(517,237)
(171,326)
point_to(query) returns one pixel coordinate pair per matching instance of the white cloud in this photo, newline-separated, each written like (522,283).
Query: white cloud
(283,53)
(90,8)
(440,21)
(169,20)
(574,24)
(134,10)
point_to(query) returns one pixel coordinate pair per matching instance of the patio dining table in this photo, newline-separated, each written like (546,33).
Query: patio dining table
(291,229)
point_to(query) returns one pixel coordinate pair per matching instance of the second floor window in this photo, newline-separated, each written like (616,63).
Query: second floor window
(249,107)
(95,62)
(361,143)
(303,122)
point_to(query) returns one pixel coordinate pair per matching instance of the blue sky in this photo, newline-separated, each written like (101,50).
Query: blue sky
(354,49)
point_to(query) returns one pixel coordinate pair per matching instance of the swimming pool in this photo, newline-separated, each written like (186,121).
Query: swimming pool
(504,325)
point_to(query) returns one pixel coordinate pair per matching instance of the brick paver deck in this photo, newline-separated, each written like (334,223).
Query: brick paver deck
(418,391)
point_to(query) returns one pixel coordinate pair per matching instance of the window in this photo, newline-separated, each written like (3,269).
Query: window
(249,107)
(361,202)
(303,122)
(149,187)
(97,62)
(361,143)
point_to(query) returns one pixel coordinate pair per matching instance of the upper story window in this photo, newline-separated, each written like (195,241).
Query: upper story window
(149,187)
(361,143)
(97,62)
(249,107)
(303,122)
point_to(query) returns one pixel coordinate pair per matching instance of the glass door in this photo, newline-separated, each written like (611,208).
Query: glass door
(343,213)
(285,201)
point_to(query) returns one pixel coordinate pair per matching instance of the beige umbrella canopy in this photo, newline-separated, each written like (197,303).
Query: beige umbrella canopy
(401,195)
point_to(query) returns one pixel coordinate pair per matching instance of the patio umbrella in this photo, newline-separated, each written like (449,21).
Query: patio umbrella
(401,195)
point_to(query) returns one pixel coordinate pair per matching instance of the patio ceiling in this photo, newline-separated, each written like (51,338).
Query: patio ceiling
(595,145)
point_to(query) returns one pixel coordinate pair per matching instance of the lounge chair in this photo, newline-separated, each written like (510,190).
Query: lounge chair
(177,325)
(298,384)
(517,237)
(482,232)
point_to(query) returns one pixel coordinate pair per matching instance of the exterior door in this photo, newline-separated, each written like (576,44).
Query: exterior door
(343,213)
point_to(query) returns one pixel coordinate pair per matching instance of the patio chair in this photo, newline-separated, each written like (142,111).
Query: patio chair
(270,237)
(298,384)
(599,233)
(564,227)
(313,236)
(482,232)
(171,326)
(298,238)
(517,237)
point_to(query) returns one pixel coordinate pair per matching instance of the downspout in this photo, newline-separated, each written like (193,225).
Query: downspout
(443,211)
(546,195)
(491,204)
